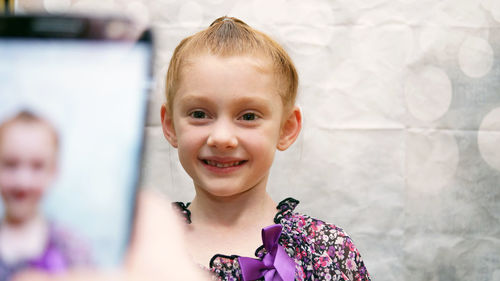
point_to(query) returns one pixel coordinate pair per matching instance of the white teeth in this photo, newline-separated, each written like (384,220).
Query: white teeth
(222,165)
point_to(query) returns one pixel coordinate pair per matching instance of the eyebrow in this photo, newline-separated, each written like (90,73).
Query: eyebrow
(254,101)
(194,98)
(246,100)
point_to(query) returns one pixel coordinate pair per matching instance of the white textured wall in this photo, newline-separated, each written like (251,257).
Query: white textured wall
(401,139)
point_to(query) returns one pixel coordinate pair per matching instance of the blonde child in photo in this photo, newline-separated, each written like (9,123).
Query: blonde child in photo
(29,241)
(231,94)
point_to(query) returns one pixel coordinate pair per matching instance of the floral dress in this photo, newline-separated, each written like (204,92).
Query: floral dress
(321,251)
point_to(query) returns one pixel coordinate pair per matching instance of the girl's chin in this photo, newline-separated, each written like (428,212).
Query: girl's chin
(20,216)
(223,192)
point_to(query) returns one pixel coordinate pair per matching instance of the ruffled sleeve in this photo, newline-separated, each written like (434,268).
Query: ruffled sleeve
(323,251)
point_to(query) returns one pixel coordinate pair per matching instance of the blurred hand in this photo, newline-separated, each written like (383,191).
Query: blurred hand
(156,252)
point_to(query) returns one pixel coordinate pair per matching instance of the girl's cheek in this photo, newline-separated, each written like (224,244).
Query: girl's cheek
(263,135)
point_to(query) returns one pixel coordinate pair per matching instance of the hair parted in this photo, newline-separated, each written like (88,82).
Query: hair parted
(228,36)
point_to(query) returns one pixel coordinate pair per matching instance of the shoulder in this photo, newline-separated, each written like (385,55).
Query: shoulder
(326,249)
(315,233)
(311,229)
(73,247)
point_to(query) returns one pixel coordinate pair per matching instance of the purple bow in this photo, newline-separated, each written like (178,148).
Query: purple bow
(52,260)
(276,265)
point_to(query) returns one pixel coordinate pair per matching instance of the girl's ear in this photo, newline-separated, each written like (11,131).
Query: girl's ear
(290,129)
(167,124)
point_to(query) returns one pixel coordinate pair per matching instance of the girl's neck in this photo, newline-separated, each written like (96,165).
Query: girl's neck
(228,225)
(20,241)
(252,207)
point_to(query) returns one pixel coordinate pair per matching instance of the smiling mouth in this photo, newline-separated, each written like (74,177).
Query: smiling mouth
(223,164)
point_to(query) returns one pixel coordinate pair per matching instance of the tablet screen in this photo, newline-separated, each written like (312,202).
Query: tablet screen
(71,131)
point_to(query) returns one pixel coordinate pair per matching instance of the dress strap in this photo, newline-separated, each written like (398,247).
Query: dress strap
(183,209)
(285,209)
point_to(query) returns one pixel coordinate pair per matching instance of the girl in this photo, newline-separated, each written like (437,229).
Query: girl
(230,104)
(28,165)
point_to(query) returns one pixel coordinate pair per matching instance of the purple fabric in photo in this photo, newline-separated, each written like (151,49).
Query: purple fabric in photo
(62,251)
(52,260)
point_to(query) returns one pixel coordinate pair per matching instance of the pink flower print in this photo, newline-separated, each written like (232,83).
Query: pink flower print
(301,222)
(351,246)
(324,261)
(331,251)
(314,226)
(340,253)
(352,255)
(301,273)
(351,265)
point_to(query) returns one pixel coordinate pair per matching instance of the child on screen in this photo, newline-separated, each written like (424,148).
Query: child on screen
(28,165)
(230,104)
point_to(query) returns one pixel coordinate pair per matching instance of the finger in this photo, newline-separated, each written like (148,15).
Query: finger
(157,248)
(74,275)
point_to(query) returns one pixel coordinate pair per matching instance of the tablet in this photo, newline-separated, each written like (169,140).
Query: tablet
(73,101)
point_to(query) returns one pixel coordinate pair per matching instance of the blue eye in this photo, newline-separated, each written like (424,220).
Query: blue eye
(249,117)
(198,114)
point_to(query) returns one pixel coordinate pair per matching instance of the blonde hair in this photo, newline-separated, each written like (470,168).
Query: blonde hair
(228,36)
(27,117)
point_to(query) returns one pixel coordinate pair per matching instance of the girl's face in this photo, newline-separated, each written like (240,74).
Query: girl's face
(226,123)
(27,166)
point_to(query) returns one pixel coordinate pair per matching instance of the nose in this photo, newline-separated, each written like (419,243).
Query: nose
(23,178)
(222,135)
